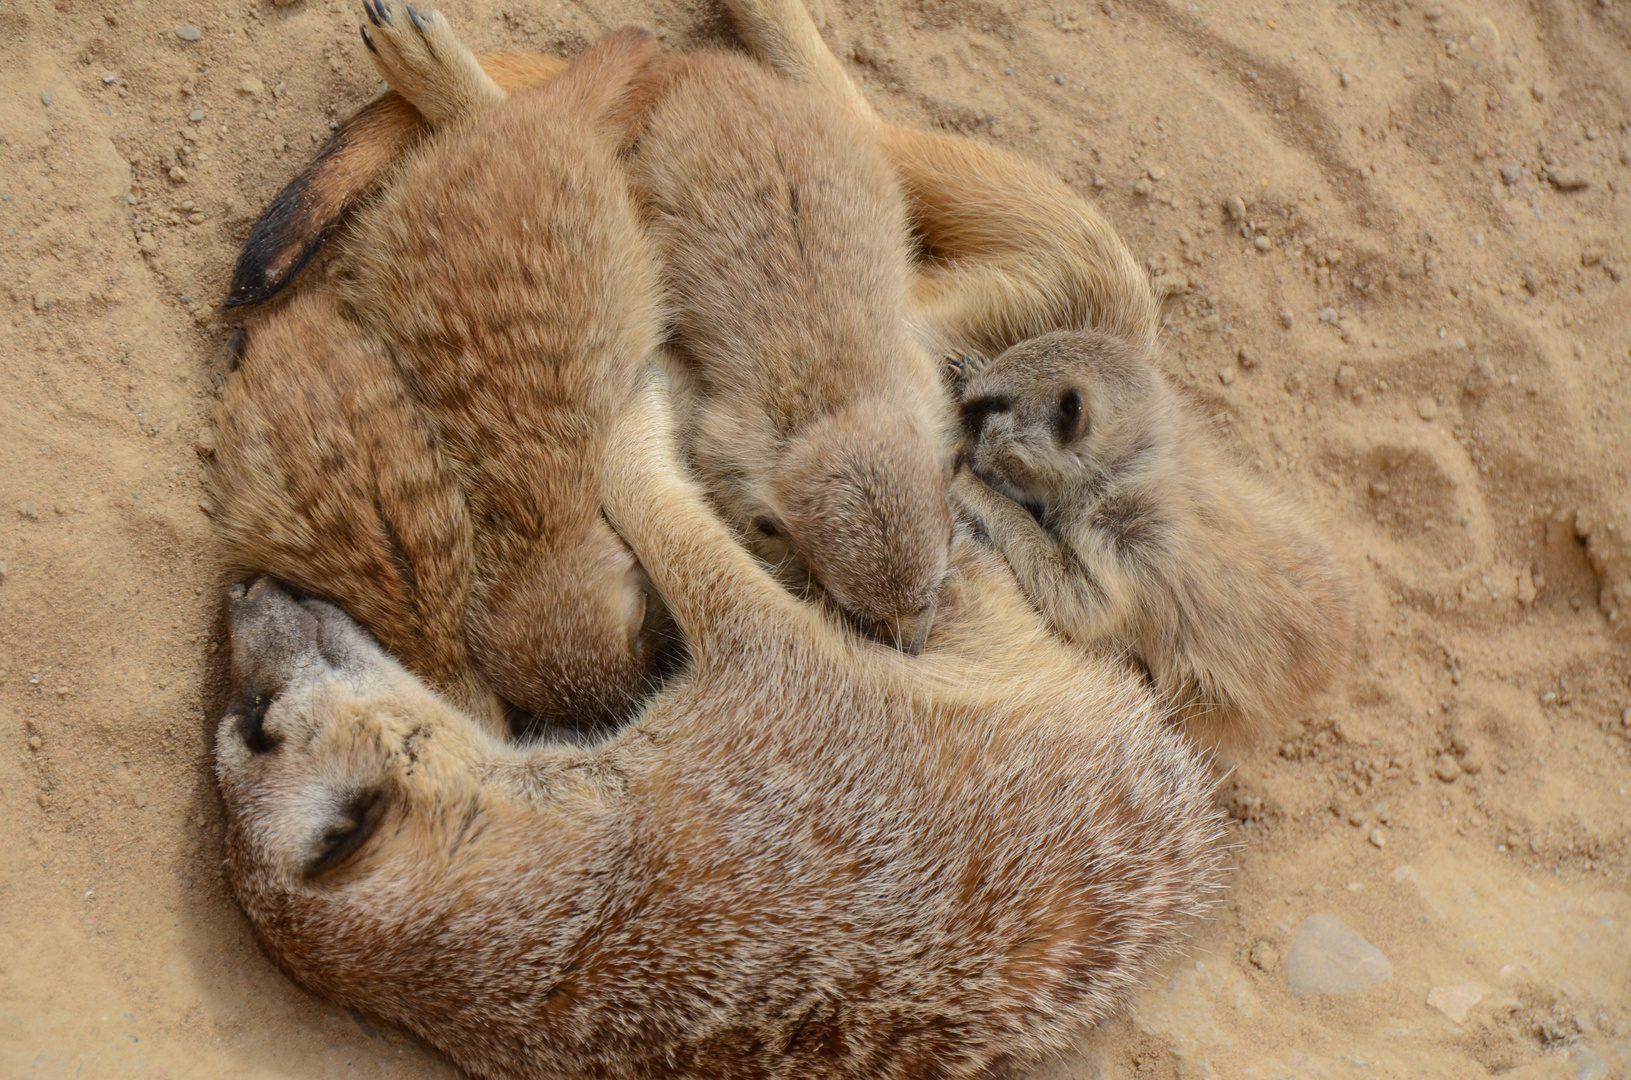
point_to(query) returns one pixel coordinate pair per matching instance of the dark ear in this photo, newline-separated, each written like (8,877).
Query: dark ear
(1068,420)
(296,223)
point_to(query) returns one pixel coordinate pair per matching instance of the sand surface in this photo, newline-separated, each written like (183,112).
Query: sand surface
(1415,317)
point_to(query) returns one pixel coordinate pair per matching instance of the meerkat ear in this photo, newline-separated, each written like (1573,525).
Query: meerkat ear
(1069,420)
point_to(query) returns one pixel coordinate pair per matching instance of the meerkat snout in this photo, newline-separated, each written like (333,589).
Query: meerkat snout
(861,502)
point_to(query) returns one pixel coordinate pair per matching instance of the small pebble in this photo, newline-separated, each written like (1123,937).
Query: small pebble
(1142,186)
(1511,174)
(1377,839)
(1264,956)
(1456,1001)
(1426,408)
(1531,281)
(147,243)
(1327,957)
(251,86)
(41,301)
(1156,172)
(178,174)
(1446,768)
(1262,243)
(1247,358)
(1432,13)
(185,298)
(1236,208)
(1226,376)
(1450,87)
(1328,315)
(1567,179)
(1345,79)
(196,116)
(48,98)
(1287,319)
(1379,489)
(188,32)
(1537,93)
(1592,134)
(109,78)
(1060,79)
(1347,377)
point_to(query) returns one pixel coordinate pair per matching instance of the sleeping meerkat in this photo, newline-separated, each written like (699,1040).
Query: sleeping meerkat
(505,272)
(1127,528)
(812,412)
(807,857)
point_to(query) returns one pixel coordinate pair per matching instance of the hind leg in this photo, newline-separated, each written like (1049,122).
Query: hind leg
(418,53)
(1012,251)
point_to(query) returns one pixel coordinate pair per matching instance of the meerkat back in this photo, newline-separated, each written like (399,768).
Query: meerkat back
(814,416)
(505,271)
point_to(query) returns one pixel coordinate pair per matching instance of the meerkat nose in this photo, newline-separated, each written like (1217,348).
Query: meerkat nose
(910,633)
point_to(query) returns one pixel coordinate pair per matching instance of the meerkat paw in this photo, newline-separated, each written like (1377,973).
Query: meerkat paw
(422,59)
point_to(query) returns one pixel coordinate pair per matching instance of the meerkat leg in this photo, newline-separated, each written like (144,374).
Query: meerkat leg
(722,599)
(1012,251)
(1075,597)
(418,53)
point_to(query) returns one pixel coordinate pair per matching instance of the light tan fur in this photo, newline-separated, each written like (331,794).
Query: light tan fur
(325,476)
(810,857)
(506,274)
(1129,529)
(813,414)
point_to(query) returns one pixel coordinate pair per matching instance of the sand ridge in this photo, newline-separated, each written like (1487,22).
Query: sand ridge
(1393,239)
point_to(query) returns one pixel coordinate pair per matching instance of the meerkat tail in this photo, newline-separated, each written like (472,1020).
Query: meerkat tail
(349,168)
(299,219)
(1016,252)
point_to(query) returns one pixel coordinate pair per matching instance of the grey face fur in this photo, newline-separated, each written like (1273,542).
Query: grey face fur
(1059,412)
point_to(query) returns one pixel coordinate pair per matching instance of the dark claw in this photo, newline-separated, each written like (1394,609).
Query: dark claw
(418,23)
(366,40)
(373,17)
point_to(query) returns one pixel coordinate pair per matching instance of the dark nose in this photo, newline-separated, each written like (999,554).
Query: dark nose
(271,635)
(977,410)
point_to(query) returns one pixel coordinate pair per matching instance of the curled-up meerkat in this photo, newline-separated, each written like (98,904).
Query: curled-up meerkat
(806,857)
(505,272)
(1129,529)
(811,410)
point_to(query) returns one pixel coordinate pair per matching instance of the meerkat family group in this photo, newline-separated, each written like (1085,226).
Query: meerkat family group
(864,724)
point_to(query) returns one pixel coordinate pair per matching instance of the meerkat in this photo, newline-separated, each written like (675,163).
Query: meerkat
(1129,529)
(505,273)
(813,414)
(942,866)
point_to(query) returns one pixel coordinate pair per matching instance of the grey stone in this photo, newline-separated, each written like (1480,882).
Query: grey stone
(1511,174)
(1588,1064)
(189,32)
(47,98)
(1328,958)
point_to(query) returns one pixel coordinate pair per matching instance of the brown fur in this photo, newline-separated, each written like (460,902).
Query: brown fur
(1128,528)
(811,857)
(326,477)
(505,272)
(815,417)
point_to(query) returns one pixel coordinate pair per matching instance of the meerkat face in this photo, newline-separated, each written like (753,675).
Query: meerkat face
(860,501)
(306,793)
(1053,410)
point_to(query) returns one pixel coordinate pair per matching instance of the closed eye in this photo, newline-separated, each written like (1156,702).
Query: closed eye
(358,819)
(1068,422)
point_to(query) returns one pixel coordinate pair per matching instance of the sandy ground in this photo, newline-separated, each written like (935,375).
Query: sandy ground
(1414,316)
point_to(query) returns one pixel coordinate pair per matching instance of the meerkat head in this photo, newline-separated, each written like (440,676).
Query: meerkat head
(306,788)
(860,501)
(577,637)
(1059,410)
